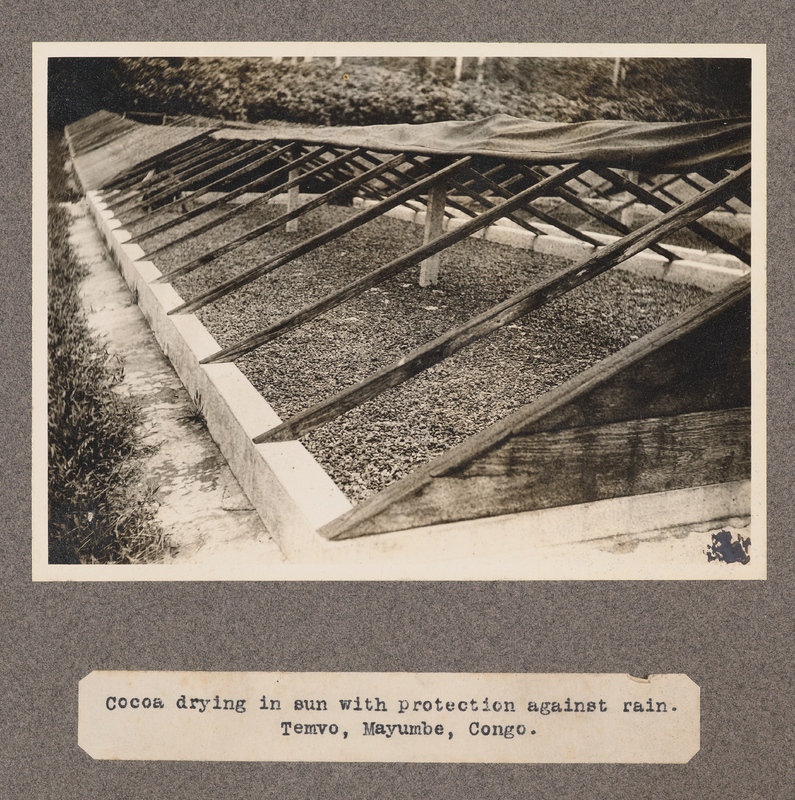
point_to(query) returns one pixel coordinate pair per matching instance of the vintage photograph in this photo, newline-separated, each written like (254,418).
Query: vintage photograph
(324,311)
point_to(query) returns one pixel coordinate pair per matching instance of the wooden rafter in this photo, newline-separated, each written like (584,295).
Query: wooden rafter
(574,199)
(216,177)
(260,230)
(246,169)
(325,237)
(181,180)
(660,204)
(256,183)
(167,173)
(503,313)
(135,173)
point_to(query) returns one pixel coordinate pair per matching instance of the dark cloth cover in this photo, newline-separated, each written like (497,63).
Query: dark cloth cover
(649,146)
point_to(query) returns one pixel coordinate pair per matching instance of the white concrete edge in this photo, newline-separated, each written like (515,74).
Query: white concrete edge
(708,271)
(289,489)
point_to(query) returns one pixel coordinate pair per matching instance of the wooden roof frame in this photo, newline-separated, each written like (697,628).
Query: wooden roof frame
(592,425)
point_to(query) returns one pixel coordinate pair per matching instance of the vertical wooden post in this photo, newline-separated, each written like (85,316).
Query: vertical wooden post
(337,61)
(293,194)
(628,213)
(434,227)
(277,59)
(481,62)
(459,67)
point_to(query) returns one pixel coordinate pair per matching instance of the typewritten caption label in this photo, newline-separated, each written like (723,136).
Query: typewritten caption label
(389,717)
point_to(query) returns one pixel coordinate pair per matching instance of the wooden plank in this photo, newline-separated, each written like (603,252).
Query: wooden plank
(434,222)
(653,200)
(222,170)
(574,199)
(246,169)
(253,233)
(579,465)
(325,237)
(697,363)
(182,179)
(257,183)
(498,316)
(388,270)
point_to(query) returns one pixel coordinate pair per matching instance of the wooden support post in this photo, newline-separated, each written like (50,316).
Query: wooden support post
(434,226)
(293,195)
(628,213)
(459,67)
(337,61)
(481,62)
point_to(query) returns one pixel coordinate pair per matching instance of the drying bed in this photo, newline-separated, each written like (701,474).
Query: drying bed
(498,385)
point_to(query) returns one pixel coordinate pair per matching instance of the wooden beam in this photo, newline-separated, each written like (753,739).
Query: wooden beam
(498,316)
(387,271)
(222,168)
(260,230)
(434,222)
(698,363)
(657,202)
(327,236)
(246,169)
(257,183)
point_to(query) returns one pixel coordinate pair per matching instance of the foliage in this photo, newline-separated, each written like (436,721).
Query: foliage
(369,91)
(96,513)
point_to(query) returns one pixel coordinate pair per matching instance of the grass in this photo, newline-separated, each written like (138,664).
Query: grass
(97,511)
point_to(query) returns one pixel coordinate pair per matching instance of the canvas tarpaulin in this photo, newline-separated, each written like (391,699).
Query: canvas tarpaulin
(649,146)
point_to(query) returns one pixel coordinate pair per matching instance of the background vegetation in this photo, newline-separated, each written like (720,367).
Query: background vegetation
(365,91)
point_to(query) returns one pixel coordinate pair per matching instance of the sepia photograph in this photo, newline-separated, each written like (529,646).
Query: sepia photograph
(419,312)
